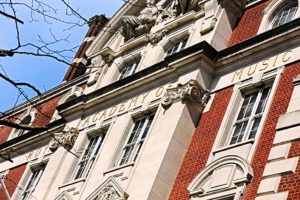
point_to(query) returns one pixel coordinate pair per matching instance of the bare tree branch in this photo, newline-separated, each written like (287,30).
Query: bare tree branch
(12,17)
(16,84)
(9,123)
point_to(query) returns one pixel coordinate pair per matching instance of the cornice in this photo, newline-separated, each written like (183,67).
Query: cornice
(139,79)
(58,90)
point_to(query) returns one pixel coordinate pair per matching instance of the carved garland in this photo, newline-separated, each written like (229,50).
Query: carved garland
(191,91)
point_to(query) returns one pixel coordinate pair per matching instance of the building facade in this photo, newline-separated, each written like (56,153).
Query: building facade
(168,99)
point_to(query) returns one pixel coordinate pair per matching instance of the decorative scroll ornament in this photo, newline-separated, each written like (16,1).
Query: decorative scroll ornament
(190,91)
(67,139)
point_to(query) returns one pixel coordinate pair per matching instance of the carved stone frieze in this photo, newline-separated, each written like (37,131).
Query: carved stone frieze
(154,38)
(154,13)
(191,91)
(67,139)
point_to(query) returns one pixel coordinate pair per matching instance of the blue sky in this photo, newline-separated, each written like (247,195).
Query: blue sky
(43,73)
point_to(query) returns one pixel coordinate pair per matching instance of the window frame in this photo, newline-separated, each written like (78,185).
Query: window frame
(280,12)
(92,155)
(138,143)
(181,45)
(253,115)
(134,66)
(29,190)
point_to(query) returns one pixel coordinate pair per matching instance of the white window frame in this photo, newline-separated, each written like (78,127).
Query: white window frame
(251,118)
(281,11)
(133,68)
(271,11)
(92,155)
(180,45)
(29,189)
(138,143)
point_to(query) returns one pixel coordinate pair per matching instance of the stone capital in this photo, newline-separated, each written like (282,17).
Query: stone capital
(190,91)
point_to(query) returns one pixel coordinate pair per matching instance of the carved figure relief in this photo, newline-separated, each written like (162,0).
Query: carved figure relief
(66,138)
(191,91)
(134,26)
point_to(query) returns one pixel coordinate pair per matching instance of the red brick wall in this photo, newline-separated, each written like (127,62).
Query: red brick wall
(278,107)
(12,179)
(43,116)
(248,25)
(291,182)
(201,145)
(5,130)
(46,111)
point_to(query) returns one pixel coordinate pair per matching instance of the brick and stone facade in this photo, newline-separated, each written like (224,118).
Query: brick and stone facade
(176,100)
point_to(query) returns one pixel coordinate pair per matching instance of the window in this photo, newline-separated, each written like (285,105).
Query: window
(25,121)
(128,69)
(285,15)
(88,157)
(32,183)
(136,139)
(249,116)
(178,46)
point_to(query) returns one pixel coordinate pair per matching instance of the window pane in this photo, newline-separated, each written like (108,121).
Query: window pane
(239,132)
(136,139)
(88,157)
(286,15)
(32,183)
(254,128)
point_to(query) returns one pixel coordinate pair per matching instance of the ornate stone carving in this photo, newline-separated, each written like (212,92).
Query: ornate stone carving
(66,138)
(108,193)
(190,91)
(133,26)
(108,190)
(154,38)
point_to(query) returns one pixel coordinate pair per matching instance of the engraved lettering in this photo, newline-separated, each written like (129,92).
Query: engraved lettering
(252,70)
(286,57)
(159,91)
(87,122)
(265,65)
(122,107)
(133,102)
(144,96)
(238,73)
(112,110)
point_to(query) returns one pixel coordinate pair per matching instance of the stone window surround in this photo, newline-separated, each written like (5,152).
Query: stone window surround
(32,166)
(269,77)
(90,160)
(136,151)
(272,10)
(78,184)
(251,117)
(135,114)
(30,111)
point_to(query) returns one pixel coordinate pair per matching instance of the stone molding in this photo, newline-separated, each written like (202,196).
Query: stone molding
(190,91)
(109,190)
(66,139)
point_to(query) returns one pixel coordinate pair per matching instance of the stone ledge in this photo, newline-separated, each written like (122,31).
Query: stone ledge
(288,120)
(281,167)
(287,135)
(279,152)
(277,196)
(269,185)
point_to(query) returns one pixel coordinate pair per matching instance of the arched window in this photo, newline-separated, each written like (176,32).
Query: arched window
(25,121)
(285,15)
